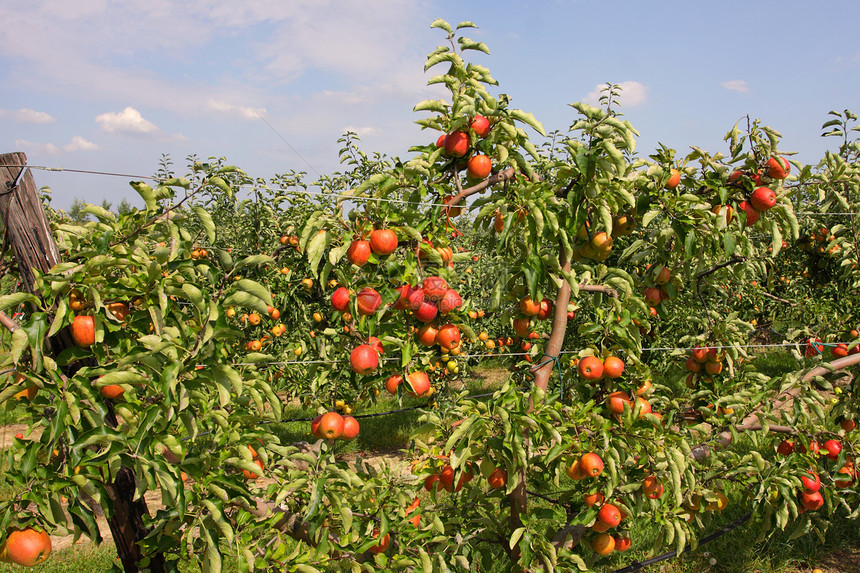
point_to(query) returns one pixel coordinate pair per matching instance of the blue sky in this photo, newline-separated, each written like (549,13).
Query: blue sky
(109,85)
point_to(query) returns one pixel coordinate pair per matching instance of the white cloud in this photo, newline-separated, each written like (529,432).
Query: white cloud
(78,143)
(128,120)
(244,111)
(25,115)
(32,146)
(736,86)
(364,131)
(633,94)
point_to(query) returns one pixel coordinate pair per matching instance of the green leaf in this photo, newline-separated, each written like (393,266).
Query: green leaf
(20,342)
(528,119)
(146,193)
(205,221)
(128,377)
(431,105)
(16,299)
(220,184)
(253,260)
(246,300)
(255,289)
(316,249)
(440,23)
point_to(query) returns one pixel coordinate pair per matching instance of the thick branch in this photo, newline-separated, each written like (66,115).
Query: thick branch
(499,177)
(752,423)
(8,323)
(599,289)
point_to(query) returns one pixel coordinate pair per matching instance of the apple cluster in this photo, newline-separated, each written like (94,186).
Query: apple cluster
(333,426)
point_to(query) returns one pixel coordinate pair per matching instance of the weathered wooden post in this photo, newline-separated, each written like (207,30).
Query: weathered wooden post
(28,232)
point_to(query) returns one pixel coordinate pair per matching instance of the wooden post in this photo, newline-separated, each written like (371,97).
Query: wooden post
(29,234)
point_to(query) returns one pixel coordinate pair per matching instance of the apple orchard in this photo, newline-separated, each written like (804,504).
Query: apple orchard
(618,291)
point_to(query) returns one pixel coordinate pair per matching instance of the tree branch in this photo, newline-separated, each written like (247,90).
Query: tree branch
(501,176)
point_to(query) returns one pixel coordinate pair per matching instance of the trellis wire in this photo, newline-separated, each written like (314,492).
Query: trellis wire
(321,194)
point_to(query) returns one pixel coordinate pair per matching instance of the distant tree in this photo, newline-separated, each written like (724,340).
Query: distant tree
(124,207)
(76,211)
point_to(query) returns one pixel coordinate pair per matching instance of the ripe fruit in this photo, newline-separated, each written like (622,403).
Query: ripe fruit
(434,288)
(522,326)
(419,384)
(315,426)
(358,252)
(431,482)
(451,301)
(811,500)
(652,487)
(617,401)
(622,543)
(427,334)
(700,354)
(529,307)
(479,166)
(498,222)
(778,167)
(751,212)
(594,498)
(340,299)
(785,447)
(833,447)
(613,367)
(84,330)
(367,301)
(810,481)
(763,199)
(692,365)
(448,337)
(393,382)
(712,367)
(350,428)
(382,545)
(813,347)
(364,359)
(840,350)
(251,475)
(457,143)
(848,425)
(415,519)
(383,241)
(545,311)
(603,544)
(591,464)
(112,391)
(674,179)
(847,470)
(331,425)
(609,515)
(254,318)
(480,125)
(663,276)
(27,547)
(574,471)
(426,312)
(498,478)
(652,295)
(118,309)
(591,368)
